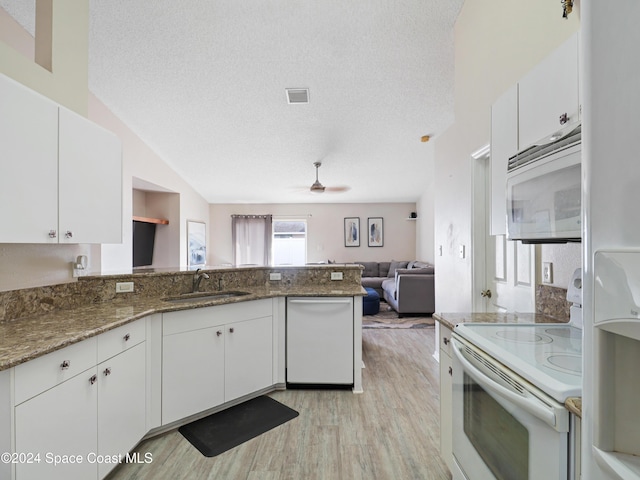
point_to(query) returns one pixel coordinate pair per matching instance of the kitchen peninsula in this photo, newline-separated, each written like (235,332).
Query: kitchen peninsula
(179,355)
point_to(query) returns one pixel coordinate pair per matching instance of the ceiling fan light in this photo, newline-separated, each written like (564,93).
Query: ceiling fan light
(317,187)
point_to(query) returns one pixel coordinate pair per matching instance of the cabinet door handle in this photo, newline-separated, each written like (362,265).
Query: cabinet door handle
(126,337)
(93,379)
(219,332)
(65,364)
(564,118)
(231,330)
(445,340)
(68,234)
(53,234)
(451,371)
(107,371)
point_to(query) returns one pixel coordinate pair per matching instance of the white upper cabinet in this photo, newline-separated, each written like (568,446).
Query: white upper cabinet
(28,165)
(90,181)
(504,144)
(61,175)
(549,96)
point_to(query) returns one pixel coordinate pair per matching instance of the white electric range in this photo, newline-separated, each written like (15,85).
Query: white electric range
(510,383)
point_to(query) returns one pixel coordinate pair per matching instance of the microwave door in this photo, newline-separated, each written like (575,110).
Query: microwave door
(544,200)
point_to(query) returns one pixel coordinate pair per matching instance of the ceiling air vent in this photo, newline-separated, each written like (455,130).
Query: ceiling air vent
(297,95)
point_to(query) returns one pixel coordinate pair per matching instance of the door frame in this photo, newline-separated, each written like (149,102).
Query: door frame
(480,208)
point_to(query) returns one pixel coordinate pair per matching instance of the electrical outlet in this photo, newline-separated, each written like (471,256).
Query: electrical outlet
(547,272)
(275,276)
(122,287)
(336,275)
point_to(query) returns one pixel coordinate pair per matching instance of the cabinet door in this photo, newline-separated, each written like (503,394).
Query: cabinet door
(90,182)
(121,404)
(192,372)
(60,421)
(504,144)
(248,357)
(547,92)
(446,410)
(28,165)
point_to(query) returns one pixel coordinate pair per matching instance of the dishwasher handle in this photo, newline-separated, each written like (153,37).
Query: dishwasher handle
(322,300)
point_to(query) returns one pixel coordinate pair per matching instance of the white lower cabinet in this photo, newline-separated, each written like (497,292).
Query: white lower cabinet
(248,357)
(446,385)
(75,421)
(192,372)
(214,355)
(121,405)
(59,425)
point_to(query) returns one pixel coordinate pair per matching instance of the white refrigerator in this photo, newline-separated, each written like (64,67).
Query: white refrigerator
(610,73)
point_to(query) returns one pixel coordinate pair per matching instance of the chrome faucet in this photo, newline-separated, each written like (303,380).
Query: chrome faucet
(197,278)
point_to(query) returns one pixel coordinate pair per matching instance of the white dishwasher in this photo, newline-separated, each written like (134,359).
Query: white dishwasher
(320,340)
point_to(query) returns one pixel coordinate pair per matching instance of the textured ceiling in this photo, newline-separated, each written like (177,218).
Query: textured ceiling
(202,82)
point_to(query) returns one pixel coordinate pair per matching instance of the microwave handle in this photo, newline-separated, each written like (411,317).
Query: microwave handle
(529,403)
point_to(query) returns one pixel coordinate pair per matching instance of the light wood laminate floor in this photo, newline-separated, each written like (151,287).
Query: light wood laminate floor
(391,431)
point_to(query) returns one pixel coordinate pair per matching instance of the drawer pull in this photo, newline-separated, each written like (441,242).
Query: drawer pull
(65,364)
(107,371)
(53,234)
(93,379)
(127,337)
(68,234)
(219,332)
(231,330)
(445,340)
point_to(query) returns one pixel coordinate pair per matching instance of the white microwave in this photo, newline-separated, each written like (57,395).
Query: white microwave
(544,191)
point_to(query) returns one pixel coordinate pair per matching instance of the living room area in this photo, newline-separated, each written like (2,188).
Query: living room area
(405,236)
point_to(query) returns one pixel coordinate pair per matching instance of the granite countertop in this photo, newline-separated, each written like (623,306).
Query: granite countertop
(450,320)
(29,337)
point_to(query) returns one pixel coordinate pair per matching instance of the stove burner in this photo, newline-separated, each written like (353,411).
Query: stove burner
(566,332)
(523,336)
(566,363)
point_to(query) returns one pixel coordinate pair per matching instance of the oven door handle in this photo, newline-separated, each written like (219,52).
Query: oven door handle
(529,403)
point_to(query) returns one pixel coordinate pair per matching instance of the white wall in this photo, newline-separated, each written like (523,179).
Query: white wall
(141,162)
(325,224)
(496,43)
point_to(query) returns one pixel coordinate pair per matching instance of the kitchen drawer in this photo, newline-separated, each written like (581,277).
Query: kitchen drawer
(205,317)
(445,340)
(120,339)
(42,373)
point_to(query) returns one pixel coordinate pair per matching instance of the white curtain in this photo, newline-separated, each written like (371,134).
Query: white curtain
(251,238)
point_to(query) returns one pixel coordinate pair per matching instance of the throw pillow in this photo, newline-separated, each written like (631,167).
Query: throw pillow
(394,266)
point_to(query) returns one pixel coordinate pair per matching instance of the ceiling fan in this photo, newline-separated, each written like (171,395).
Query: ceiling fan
(317,187)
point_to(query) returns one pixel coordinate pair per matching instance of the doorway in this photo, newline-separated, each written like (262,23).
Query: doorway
(503,270)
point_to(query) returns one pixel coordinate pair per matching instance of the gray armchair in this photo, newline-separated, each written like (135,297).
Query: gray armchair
(411,291)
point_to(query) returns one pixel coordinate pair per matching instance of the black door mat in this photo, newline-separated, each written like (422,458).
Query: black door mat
(229,428)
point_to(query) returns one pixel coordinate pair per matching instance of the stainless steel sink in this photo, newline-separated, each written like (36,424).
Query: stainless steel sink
(203,296)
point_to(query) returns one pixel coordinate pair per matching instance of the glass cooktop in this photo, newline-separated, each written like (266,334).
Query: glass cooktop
(547,355)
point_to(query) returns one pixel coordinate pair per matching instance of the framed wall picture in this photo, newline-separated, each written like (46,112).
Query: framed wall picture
(375,232)
(196,243)
(352,232)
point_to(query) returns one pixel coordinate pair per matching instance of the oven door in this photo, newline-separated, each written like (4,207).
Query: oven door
(503,427)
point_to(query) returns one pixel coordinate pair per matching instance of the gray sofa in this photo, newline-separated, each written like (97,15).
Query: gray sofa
(408,287)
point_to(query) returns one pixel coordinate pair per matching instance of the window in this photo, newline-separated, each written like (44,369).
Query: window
(289,242)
